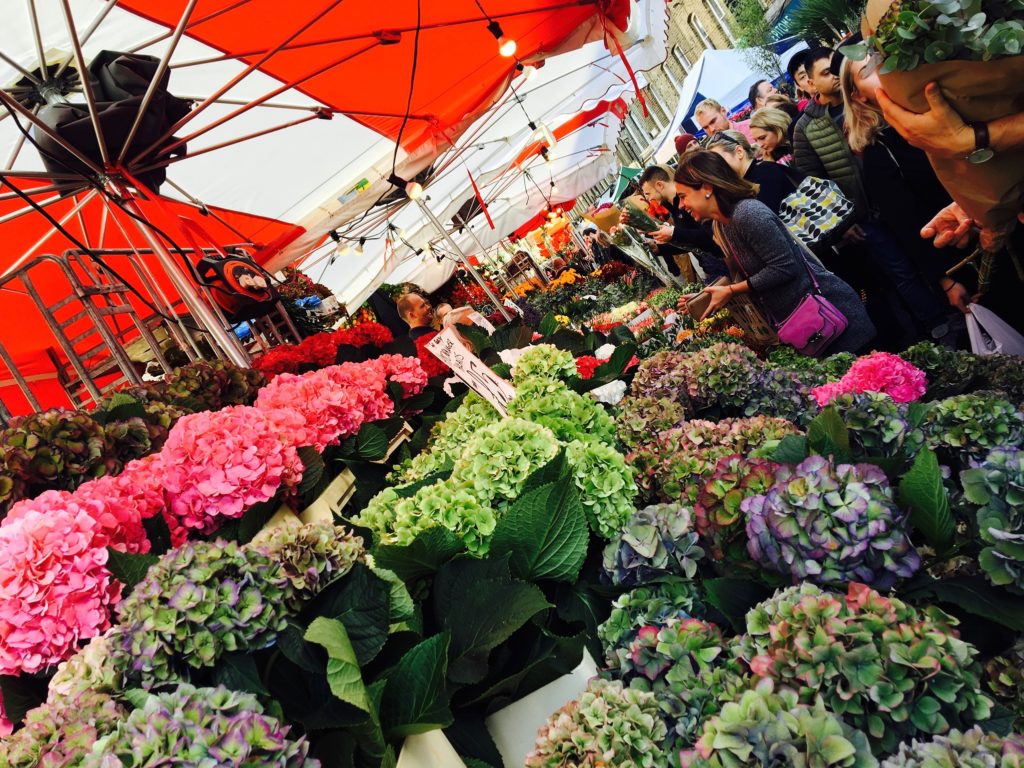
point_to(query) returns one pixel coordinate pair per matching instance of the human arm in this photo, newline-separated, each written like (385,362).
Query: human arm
(950,226)
(763,247)
(941,132)
(721,294)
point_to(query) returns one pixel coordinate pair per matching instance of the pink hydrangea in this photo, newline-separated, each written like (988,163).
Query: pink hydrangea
(217,464)
(878,372)
(55,589)
(407,371)
(119,521)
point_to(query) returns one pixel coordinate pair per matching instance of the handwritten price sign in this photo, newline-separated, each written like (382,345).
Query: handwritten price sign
(470,369)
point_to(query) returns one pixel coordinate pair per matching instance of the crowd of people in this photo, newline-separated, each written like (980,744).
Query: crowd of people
(889,268)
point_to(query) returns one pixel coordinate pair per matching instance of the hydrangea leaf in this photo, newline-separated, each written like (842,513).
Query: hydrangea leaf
(360,601)
(548,325)
(922,490)
(827,435)
(974,595)
(415,699)
(545,533)
(792,449)
(371,442)
(616,364)
(127,568)
(238,671)
(343,673)
(427,552)
(734,597)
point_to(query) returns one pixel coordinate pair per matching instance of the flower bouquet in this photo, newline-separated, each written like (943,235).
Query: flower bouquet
(971,49)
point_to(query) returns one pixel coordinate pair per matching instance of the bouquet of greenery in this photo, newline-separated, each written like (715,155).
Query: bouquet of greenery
(971,48)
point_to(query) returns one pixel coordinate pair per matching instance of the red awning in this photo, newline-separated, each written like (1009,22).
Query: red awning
(540,219)
(356,56)
(616,107)
(24,332)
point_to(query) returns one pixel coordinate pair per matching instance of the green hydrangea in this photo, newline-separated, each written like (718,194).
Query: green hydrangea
(956,749)
(544,362)
(569,415)
(771,728)
(311,556)
(398,520)
(997,486)
(724,375)
(967,427)
(887,668)
(656,541)
(499,458)
(662,375)
(1004,678)
(210,727)
(448,439)
(608,726)
(61,733)
(53,449)
(783,394)
(91,669)
(949,371)
(198,603)
(605,483)
(653,604)
(877,424)
(1005,374)
(641,417)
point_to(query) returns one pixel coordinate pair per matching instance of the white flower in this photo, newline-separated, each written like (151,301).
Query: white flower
(604,352)
(511,356)
(610,393)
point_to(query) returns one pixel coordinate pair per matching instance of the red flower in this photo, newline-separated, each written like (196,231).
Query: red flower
(586,365)
(428,361)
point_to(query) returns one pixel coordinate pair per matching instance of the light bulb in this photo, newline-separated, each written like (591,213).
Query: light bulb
(428,250)
(343,250)
(554,189)
(506,47)
(549,137)
(361,246)
(413,190)
(529,72)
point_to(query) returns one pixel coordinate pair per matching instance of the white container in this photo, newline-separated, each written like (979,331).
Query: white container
(333,499)
(429,750)
(514,728)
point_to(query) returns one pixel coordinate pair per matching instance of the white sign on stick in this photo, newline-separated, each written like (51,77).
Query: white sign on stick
(470,369)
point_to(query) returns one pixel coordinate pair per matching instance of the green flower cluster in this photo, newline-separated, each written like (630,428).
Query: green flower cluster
(662,375)
(204,385)
(91,669)
(62,732)
(569,415)
(448,439)
(887,668)
(814,372)
(544,362)
(771,728)
(605,483)
(641,417)
(956,749)
(499,458)
(877,424)
(608,725)
(997,486)
(718,518)
(949,371)
(311,556)
(783,394)
(723,375)
(967,427)
(656,541)
(197,603)
(211,727)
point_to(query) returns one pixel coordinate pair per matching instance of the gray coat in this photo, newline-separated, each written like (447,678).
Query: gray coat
(770,260)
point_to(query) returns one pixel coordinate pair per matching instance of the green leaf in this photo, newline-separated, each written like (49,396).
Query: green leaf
(128,569)
(293,646)
(415,700)
(371,442)
(359,600)
(402,606)
(473,741)
(734,597)
(922,490)
(555,470)
(343,674)
(545,534)
(615,365)
(974,595)
(827,435)
(792,449)
(477,338)
(512,335)
(313,463)
(254,519)
(570,341)
(158,533)
(238,671)
(854,52)
(482,606)
(548,325)
(620,335)
(22,693)
(430,550)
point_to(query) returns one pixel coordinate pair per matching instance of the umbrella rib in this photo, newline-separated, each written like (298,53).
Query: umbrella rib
(249,69)
(164,35)
(34,191)
(90,97)
(20,68)
(37,36)
(155,82)
(93,25)
(13,106)
(17,147)
(39,243)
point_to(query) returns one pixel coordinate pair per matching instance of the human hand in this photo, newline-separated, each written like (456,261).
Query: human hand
(949,226)
(663,233)
(624,217)
(957,295)
(720,295)
(854,235)
(940,131)
(681,301)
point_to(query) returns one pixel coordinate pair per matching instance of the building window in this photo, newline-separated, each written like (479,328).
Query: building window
(723,21)
(682,58)
(702,33)
(659,111)
(677,83)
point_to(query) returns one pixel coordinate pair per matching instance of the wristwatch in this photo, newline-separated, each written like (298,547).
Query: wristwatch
(982,151)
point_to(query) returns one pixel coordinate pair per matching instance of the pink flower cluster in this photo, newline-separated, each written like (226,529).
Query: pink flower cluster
(877,372)
(217,464)
(55,589)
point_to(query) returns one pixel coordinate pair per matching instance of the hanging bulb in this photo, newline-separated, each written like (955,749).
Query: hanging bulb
(547,135)
(529,72)
(554,189)
(343,250)
(428,250)
(361,246)
(506,45)
(413,190)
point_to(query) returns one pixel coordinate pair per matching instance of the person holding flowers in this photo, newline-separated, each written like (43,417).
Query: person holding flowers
(765,261)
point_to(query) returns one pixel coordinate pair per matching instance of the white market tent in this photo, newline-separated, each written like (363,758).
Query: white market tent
(722,75)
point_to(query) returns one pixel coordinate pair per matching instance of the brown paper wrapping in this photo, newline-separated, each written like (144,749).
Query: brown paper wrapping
(606,219)
(980,91)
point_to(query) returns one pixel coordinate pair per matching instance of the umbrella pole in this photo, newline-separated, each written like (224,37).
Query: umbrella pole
(493,262)
(199,309)
(462,257)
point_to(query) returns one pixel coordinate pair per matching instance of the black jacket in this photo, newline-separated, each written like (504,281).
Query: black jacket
(776,181)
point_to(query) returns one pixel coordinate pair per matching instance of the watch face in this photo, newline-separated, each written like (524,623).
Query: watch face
(982,155)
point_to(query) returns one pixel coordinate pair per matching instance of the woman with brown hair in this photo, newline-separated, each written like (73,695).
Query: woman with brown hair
(775,182)
(765,261)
